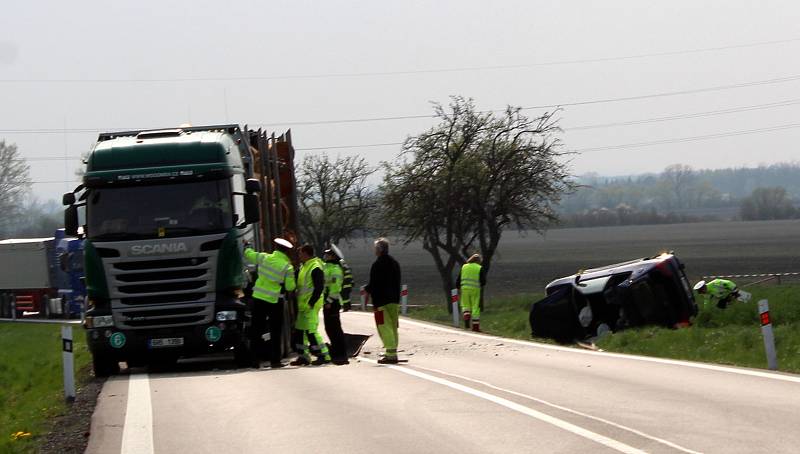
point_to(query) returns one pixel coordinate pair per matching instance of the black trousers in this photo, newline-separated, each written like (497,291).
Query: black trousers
(268,318)
(333,328)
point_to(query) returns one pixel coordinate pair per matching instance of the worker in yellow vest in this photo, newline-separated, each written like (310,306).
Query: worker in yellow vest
(470,283)
(310,290)
(275,278)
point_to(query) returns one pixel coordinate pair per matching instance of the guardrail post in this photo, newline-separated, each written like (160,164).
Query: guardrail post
(404,299)
(769,337)
(363,298)
(454,303)
(67,357)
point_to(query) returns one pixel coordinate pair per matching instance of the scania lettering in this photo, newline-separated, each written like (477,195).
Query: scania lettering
(166,215)
(149,249)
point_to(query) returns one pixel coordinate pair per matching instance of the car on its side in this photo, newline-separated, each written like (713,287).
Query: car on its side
(647,291)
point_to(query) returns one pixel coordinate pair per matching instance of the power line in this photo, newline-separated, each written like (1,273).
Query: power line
(708,113)
(778,80)
(688,139)
(406,72)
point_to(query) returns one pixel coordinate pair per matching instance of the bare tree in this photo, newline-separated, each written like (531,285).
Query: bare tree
(333,196)
(679,180)
(466,180)
(15,183)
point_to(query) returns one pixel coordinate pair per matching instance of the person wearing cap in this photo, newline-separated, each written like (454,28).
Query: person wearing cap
(384,290)
(275,276)
(347,284)
(720,291)
(310,292)
(470,283)
(334,277)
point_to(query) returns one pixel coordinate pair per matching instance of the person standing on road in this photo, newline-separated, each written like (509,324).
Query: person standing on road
(384,290)
(310,289)
(347,284)
(275,276)
(330,311)
(470,282)
(719,290)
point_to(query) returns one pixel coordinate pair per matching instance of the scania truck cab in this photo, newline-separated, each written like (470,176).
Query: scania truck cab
(165,216)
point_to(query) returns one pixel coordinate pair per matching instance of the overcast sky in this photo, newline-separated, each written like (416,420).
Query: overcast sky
(257,59)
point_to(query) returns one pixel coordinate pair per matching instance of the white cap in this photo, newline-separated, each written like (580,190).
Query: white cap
(699,285)
(285,243)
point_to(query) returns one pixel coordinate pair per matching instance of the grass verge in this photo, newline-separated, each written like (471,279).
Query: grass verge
(32,391)
(731,336)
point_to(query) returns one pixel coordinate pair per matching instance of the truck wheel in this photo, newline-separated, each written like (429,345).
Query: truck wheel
(104,366)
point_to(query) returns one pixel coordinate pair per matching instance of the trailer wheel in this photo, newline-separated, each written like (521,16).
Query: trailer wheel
(104,366)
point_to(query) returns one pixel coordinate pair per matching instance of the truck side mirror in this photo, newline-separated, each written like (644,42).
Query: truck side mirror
(71,220)
(252,186)
(252,212)
(68,199)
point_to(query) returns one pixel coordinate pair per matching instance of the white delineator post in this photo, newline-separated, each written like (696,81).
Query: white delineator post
(404,299)
(67,357)
(769,337)
(454,303)
(363,298)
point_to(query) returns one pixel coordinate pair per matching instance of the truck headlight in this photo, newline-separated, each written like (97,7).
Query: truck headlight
(100,321)
(223,316)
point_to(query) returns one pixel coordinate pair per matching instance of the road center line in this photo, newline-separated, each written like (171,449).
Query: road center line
(577,430)
(672,362)
(562,408)
(137,434)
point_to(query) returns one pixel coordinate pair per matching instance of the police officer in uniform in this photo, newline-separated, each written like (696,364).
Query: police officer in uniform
(334,277)
(275,277)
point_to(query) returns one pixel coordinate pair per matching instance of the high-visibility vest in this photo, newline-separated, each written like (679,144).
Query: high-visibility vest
(305,284)
(347,281)
(471,276)
(274,270)
(333,280)
(720,288)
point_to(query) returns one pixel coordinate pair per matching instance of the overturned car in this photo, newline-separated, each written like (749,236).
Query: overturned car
(648,291)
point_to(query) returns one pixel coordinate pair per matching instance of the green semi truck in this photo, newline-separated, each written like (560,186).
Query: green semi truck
(165,215)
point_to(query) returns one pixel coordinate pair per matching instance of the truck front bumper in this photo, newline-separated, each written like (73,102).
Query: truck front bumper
(195,340)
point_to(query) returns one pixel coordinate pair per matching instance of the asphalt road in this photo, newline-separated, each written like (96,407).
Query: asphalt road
(459,393)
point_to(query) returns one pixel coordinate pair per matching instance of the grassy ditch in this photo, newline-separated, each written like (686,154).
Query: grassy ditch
(731,336)
(32,390)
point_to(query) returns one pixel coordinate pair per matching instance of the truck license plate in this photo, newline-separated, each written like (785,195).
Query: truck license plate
(166,342)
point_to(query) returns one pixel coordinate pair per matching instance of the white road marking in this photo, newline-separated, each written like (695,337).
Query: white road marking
(577,430)
(137,434)
(562,408)
(673,362)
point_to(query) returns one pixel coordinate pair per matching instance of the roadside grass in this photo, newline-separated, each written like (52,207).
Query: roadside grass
(507,317)
(31,381)
(731,336)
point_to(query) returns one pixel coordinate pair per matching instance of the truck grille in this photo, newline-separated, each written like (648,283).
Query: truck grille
(162,292)
(165,316)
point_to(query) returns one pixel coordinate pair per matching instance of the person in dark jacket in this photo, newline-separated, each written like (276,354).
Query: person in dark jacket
(384,291)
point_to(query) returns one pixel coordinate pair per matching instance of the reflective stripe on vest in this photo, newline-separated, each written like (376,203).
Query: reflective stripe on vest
(471,276)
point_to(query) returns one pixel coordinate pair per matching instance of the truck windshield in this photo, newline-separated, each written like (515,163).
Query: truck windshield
(158,211)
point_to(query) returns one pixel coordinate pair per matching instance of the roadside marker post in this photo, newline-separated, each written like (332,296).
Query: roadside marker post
(454,303)
(404,299)
(769,337)
(363,298)
(69,368)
